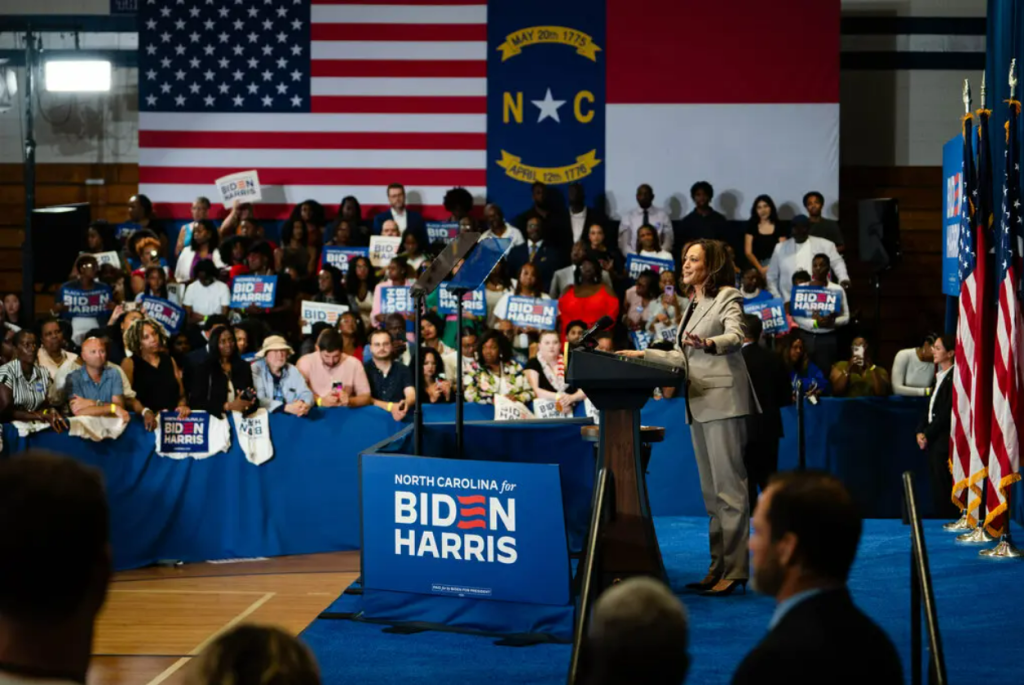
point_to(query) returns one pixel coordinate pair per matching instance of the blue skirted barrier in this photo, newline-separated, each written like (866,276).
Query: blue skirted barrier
(306,498)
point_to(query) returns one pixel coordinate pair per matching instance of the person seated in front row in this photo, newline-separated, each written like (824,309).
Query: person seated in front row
(546,374)
(494,372)
(437,388)
(804,541)
(574,332)
(860,376)
(913,370)
(53,356)
(638,635)
(605,341)
(250,654)
(95,389)
(800,368)
(336,379)
(278,383)
(391,382)
(222,382)
(153,372)
(24,385)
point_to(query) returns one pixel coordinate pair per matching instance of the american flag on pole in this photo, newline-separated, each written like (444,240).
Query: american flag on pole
(982,320)
(326,98)
(1004,465)
(963,376)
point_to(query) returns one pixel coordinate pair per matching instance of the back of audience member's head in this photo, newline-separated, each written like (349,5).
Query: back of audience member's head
(801,277)
(752,327)
(53,539)
(206,267)
(330,340)
(813,526)
(254,655)
(638,635)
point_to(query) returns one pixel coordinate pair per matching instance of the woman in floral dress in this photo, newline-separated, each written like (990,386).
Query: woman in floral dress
(494,372)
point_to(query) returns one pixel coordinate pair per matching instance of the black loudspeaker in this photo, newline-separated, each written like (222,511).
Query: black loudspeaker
(879,223)
(58,235)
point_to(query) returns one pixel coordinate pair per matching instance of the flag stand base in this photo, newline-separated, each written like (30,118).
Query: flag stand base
(961,523)
(975,537)
(1004,550)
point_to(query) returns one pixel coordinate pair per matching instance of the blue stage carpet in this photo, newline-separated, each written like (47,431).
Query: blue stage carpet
(980,605)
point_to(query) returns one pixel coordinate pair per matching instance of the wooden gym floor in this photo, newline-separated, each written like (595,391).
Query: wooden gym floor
(156,619)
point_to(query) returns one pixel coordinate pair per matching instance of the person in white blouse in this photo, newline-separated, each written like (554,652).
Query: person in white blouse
(818,333)
(644,215)
(648,244)
(913,370)
(497,227)
(203,246)
(797,254)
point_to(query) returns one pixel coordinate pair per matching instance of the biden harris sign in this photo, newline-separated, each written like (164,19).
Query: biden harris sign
(470,529)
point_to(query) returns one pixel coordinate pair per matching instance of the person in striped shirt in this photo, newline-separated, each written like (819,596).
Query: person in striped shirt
(24,385)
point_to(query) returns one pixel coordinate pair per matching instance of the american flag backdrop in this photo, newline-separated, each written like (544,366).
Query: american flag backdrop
(1004,464)
(325,98)
(963,372)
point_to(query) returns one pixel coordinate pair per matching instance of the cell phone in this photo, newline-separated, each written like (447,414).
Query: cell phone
(337,386)
(670,290)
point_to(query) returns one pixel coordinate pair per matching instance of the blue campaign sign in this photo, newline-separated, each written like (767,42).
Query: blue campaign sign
(258,290)
(475,529)
(85,303)
(125,230)
(340,257)
(472,302)
(442,231)
(167,314)
(636,265)
(191,434)
(772,313)
(641,339)
(952,166)
(531,312)
(806,300)
(545,98)
(394,298)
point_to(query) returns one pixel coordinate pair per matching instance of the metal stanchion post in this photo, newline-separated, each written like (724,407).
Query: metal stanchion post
(801,446)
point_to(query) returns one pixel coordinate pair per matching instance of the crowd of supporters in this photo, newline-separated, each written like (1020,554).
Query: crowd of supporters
(226,359)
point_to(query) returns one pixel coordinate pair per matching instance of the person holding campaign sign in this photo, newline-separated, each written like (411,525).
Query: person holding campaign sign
(494,372)
(589,299)
(156,284)
(85,300)
(798,254)
(361,285)
(719,397)
(546,375)
(101,242)
(752,287)
(152,372)
(818,310)
(279,385)
(398,277)
(528,286)
(222,382)
(24,385)
(276,310)
(206,296)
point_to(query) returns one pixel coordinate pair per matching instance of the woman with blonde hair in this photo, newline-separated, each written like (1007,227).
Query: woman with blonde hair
(254,655)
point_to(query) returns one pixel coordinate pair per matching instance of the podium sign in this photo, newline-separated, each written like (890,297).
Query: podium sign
(470,529)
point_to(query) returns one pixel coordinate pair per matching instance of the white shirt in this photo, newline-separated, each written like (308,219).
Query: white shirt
(207,300)
(939,377)
(911,377)
(790,257)
(401,219)
(183,269)
(842,318)
(52,367)
(662,254)
(510,232)
(577,221)
(632,221)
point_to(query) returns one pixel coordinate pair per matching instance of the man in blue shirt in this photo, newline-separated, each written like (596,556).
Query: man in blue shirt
(278,383)
(391,383)
(95,389)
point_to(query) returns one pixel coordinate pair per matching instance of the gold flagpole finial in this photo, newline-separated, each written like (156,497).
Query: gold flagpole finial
(1013,77)
(967,96)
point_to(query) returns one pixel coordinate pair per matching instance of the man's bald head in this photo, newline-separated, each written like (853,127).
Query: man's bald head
(94,353)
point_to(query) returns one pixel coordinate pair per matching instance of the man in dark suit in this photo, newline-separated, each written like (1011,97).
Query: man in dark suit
(773,390)
(406,219)
(568,228)
(536,250)
(933,431)
(806,531)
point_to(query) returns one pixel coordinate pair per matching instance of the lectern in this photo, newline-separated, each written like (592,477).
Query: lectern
(620,387)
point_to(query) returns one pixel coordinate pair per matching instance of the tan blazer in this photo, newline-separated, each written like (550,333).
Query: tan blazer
(717,385)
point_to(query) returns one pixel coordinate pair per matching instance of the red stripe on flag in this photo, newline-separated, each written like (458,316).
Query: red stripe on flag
(399,32)
(446,178)
(349,104)
(745,51)
(280,211)
(399,68)
(260,140)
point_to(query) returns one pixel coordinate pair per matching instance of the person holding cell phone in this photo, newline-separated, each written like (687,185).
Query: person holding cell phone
(336,379)
(860,376)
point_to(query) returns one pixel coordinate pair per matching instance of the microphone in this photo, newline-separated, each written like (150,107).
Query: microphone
(588,338)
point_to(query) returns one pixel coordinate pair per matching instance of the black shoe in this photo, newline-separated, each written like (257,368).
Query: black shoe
(728,589)
(710,580)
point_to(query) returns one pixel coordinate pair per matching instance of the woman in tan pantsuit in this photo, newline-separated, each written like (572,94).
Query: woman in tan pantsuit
(719,395)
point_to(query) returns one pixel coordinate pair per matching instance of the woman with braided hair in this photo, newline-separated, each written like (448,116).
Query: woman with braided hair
(153,372)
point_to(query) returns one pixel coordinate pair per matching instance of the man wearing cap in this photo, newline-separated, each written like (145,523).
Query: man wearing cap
(798,255)
(278,383)
(337,379)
